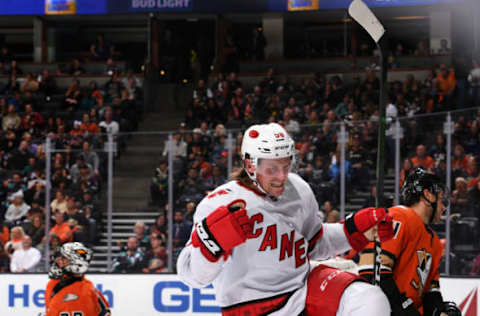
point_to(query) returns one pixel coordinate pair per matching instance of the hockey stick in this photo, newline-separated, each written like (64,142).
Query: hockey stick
(365,17)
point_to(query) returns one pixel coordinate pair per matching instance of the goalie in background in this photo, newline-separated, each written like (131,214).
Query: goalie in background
(68,292)
(410,261)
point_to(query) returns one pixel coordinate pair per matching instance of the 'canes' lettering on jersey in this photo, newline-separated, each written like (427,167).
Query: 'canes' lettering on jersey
(287,230)
(413,255)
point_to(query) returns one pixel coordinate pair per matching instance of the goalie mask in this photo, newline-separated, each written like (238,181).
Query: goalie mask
(266,141)
(78,256)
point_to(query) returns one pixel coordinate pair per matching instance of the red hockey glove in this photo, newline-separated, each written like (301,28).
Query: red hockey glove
(221,231)
(358,223)
(385,228)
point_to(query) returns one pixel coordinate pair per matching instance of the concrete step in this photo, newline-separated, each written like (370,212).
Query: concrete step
(115,240)
(103,249)
(132,215)
(121,222)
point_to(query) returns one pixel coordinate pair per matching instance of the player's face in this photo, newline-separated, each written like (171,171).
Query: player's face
(62,262)
(442,204)
(272,175)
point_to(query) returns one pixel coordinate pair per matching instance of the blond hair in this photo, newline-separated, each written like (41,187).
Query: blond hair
(17,229)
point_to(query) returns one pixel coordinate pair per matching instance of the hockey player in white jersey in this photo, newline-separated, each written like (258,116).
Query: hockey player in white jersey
(253,238)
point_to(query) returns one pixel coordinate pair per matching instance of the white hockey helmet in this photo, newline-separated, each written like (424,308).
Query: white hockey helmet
(266,141)
(79,257)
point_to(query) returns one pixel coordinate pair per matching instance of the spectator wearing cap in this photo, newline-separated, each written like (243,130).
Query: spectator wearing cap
(61,228)
(77,131)
(26,258)
(17,210)
(75,168)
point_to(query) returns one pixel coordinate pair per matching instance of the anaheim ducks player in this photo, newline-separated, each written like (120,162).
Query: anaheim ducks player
(410,261)
(68,292)
(253,238)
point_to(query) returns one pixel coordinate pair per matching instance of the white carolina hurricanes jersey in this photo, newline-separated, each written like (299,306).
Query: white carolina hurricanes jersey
(287,233)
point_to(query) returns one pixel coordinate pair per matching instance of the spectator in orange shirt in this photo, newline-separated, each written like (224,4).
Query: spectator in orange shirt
(406,170)
(422,159)
(94,92)
(90,128)
(77,131)
(445,83)
(4,233)
(61,229)
(460,161)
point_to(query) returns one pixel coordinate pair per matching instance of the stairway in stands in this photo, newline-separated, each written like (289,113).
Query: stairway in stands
(356,200)
(131,184)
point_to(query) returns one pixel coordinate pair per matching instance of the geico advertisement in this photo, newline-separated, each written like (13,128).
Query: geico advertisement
(139,295)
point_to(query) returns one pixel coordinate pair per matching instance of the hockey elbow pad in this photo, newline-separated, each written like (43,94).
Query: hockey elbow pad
(358,223)
(221,231)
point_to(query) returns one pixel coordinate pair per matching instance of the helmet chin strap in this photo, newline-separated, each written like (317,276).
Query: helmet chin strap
(433,205)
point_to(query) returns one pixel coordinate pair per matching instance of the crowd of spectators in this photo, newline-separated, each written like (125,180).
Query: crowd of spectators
(77,129)
(147,251)
(312,109)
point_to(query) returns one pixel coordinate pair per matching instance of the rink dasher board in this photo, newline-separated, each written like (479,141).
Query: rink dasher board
(164,294)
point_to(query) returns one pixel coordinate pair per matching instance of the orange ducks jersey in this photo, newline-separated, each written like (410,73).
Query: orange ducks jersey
(74,297)
(413,255)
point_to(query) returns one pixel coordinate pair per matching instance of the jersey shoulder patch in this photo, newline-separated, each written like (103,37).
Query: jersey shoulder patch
(70,297)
